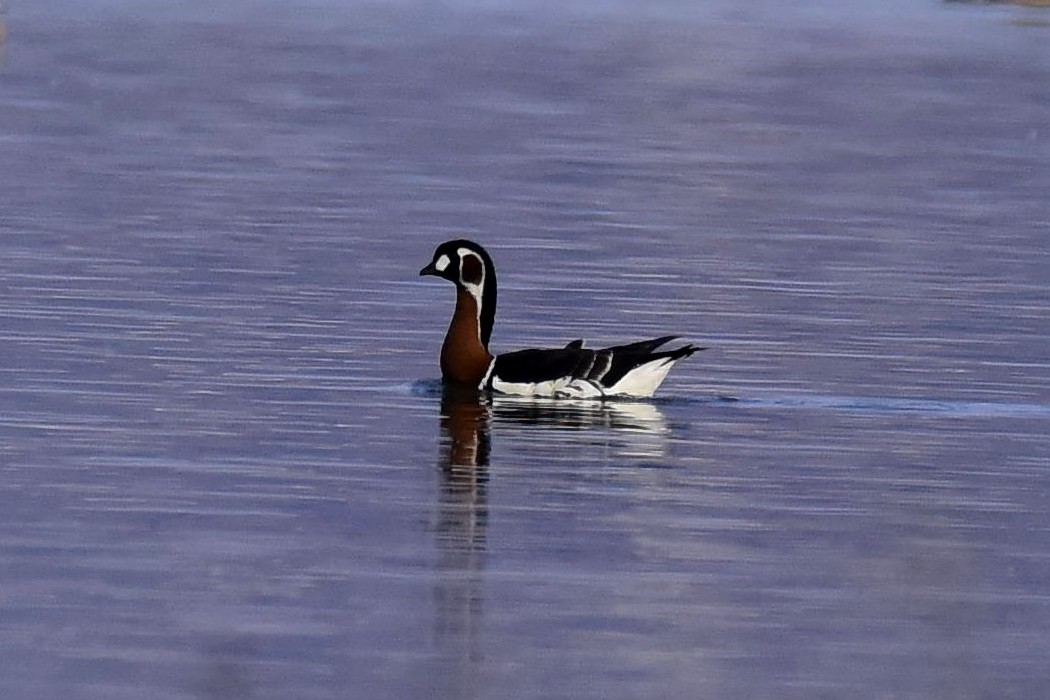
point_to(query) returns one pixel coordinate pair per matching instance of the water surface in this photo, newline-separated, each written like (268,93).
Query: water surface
(229,472)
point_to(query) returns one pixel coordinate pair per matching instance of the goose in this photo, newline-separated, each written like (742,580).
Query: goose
(632,370)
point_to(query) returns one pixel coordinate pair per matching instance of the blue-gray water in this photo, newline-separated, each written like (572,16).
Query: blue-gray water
(226,470)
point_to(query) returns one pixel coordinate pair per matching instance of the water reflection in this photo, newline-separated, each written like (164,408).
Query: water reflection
(467,419)
(462,516)
(636,417)
(631,429)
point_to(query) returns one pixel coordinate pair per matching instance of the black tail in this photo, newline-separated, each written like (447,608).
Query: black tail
(644,349)
(624,358)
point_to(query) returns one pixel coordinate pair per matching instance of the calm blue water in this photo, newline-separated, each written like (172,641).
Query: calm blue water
(228,470)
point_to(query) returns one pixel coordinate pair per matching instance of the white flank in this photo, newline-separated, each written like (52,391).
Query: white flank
(562,388)
(548,388)
(582,389)
(643,380)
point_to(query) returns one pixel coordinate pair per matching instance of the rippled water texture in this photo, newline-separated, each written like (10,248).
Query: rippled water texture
(228,470)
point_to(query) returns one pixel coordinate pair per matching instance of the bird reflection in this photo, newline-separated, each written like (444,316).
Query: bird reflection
(464,437)
(460,533)
(641,418)
(624,429)
(466,425)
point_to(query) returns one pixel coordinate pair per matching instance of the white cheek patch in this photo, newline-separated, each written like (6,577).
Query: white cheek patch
(472,274)
(442,263)
(472,266)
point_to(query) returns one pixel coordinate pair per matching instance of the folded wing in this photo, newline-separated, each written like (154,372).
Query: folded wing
(635,369)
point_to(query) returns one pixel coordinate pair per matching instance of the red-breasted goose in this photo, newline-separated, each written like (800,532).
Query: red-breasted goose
(635,369)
